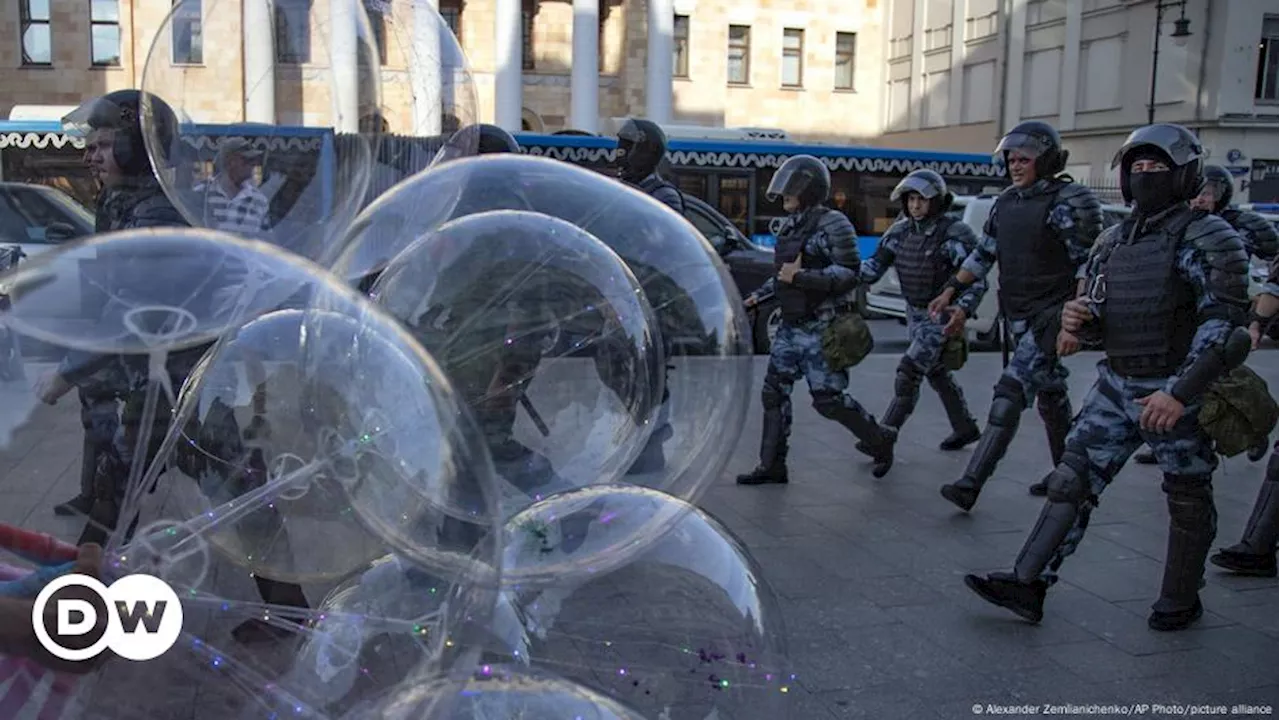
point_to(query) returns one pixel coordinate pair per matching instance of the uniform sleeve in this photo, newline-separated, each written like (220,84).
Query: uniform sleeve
(1259,236)
(958,245)
(838,239)
(766,290)
(1212,260)
(1077,218)
(983,256)
(874,267)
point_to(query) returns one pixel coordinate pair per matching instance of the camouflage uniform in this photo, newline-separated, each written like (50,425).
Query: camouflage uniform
(1038,274)
(938,245)
(1203,266)
(826,240)
(1255,554)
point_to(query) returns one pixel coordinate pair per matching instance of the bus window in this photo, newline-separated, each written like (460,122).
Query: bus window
(692,183)
(735,199)
(873,212)
(765,210)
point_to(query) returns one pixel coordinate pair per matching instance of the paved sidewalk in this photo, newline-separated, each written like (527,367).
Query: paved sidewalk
(869,572)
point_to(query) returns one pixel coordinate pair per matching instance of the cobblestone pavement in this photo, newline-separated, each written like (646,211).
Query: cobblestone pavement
(868,573)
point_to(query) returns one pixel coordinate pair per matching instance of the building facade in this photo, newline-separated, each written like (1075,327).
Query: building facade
(811,68)
(959,73)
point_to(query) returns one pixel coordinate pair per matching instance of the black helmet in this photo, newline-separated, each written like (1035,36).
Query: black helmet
(1041,140)
(123,111)
(1221,179)
(641,146)
(494,139)
(803,176)
(929,185)
(1176,144)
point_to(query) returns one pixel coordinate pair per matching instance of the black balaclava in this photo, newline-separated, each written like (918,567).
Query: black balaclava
(1152,191)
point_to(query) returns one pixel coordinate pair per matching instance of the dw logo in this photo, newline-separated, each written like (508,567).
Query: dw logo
(139,617)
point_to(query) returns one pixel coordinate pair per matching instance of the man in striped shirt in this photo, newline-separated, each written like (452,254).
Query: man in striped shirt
(232,203)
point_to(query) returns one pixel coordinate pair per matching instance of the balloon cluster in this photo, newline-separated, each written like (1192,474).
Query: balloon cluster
(453,429)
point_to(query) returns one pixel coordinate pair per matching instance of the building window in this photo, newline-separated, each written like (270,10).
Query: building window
(188,45)
(739,54)
(1268,54)
(792,57)
(846,51)
(36,46)
(526,31)
(104,32)
(376,9)
(680,34)
(451,11)
(293,31)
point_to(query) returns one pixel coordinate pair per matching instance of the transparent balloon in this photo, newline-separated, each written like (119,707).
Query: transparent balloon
(305,78)
(686,629)
(311,440)
(546,336)
(698,308)
(494,692)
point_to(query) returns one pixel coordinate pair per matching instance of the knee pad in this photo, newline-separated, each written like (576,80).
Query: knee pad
(1188,487)
(908,377)
(828,404)
(1069,481)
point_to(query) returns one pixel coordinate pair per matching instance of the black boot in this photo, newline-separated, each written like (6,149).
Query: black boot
(1255,554)
(906,395)
(1002,425)
(1055,412)
(964,429)
(1145,457)
(1257,453)
(1005,590)
(773,450)
(878,439)
(1192,527)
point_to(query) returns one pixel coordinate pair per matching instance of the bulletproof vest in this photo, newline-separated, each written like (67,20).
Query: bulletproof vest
(797,304)
(1231,215)
(922,269)
(1150,315)
(1035,271)
(653,182)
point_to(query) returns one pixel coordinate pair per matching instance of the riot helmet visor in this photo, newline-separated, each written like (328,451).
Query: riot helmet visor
(927,188)
(793,180)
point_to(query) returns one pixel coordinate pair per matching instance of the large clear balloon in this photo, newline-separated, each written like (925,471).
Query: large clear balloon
(687,629)
(306,78)
(494,692)
(547,337)
(698,308)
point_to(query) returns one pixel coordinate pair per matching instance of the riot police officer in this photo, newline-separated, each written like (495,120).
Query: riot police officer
(1040,231)
(1258,235)
(130,196)
(927,248)
(817,264)
(1167,296)
(1255,554)
(641,146)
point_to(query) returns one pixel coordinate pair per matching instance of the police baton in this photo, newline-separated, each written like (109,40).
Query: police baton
(534,415)
(1004,340)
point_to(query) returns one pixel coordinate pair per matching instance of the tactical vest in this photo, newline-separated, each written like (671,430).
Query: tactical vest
(922,268)
(1035,271)
(799,305)
(1231,215)
(1150,315)
(653,182)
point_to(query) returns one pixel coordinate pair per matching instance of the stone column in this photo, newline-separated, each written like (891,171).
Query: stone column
(343,36)
(425,79)
(1070,68)
(1017,48)
(584,80)
(508,75)
(259,62)
(657,89)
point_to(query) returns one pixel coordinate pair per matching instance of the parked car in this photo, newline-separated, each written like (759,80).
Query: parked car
(37,218)
(885,297)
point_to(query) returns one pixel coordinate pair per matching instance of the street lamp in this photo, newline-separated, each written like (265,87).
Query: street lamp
(1181,31)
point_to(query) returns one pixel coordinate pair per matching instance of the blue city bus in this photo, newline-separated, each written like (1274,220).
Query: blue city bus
(732,176)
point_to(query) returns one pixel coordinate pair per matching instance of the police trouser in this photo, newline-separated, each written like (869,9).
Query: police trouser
(1034,374)
(923,360)
(1104,435)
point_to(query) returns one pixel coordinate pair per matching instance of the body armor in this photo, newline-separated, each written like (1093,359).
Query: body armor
(922,269)
(1150,316)
(798,304)
(659,189)
(1035,271)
